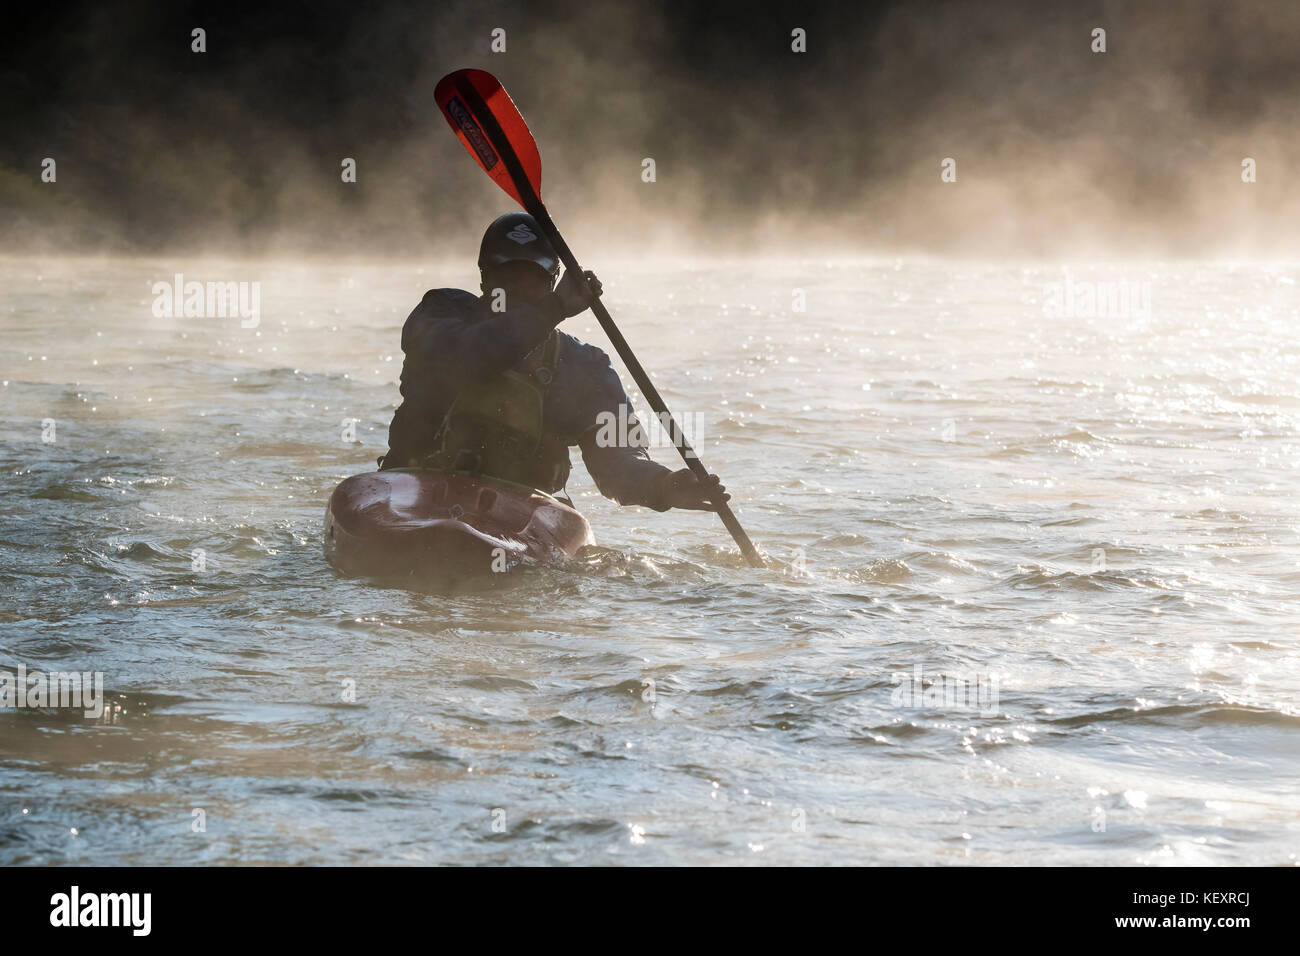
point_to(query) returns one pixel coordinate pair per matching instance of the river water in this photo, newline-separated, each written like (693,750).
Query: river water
(1032,595)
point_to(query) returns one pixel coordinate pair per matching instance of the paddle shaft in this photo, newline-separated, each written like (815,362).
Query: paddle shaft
(533,205)
(647,388)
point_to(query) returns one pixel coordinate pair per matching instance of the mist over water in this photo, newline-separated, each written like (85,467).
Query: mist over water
(1093,518)
(1059,151)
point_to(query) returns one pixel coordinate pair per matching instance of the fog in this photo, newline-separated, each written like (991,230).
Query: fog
(1060,151)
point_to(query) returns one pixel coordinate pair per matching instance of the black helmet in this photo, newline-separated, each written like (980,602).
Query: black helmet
(515,237)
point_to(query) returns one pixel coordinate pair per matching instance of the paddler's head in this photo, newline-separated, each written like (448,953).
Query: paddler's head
(516,258)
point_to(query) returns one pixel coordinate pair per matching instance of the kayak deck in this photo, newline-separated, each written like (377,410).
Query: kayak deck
(432,529)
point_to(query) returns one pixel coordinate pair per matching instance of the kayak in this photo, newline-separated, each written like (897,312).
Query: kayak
(433,529)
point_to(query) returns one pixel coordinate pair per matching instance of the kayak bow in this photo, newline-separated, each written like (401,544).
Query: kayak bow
(432,529)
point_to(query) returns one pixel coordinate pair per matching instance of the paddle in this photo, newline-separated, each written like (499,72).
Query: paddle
(489,125)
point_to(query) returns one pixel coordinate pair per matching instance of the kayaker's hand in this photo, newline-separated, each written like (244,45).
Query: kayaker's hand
(577,294)
(681,489)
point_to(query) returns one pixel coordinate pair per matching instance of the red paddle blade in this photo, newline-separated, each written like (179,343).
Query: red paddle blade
(463,96)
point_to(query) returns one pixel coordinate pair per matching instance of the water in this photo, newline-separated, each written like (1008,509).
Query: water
(1092,521)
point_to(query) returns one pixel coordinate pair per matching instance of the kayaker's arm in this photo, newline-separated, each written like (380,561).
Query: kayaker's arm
(623,473)
(452,334)
(614,448)
(449,336)
(628,475)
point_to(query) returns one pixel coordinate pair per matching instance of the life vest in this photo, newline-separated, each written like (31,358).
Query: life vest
(494,429)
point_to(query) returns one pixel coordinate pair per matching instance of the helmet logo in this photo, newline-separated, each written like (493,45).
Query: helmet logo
(521,234)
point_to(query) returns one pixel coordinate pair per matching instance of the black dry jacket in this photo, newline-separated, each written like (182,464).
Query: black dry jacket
(453,341)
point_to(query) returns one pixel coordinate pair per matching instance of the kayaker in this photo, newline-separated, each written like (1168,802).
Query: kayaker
(491,387)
